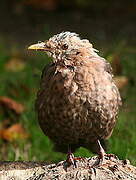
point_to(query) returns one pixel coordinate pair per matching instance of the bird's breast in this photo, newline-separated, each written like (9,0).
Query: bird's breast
(74,103)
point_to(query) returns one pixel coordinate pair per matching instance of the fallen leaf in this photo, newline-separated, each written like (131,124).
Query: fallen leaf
(11,104)
(43,4)
(121,81)
(13,133)
(5,123)
(15,64)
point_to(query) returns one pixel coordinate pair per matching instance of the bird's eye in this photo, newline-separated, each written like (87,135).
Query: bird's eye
(64,46)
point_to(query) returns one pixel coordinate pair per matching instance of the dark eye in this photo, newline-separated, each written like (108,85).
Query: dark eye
(64,46)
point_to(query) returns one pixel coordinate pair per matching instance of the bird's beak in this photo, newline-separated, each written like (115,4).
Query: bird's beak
(39,47)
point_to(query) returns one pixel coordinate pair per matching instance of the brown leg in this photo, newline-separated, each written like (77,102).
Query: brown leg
(101,151)
(98,149)
(71,159)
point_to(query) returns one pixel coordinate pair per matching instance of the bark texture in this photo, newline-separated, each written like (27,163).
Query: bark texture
(87,169)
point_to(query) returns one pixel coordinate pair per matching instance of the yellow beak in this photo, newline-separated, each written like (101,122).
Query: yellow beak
(39,47)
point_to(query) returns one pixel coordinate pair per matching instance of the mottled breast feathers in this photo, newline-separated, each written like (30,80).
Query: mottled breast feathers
(78,105)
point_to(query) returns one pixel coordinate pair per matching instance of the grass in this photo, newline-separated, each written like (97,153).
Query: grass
(22,87)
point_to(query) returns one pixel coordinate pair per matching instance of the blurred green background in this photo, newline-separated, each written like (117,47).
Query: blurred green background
(109,25)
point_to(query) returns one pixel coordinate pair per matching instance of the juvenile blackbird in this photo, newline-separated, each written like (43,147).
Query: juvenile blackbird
(77,102)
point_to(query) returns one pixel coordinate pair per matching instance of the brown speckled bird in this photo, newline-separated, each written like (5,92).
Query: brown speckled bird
(78,101)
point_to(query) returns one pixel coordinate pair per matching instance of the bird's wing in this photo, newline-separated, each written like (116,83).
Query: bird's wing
(46,69)
(108,69)
(47,73)
(102,103)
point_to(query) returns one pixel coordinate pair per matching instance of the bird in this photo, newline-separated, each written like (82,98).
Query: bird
(77,102)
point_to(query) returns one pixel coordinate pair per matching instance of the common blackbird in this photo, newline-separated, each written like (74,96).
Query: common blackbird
(77,102)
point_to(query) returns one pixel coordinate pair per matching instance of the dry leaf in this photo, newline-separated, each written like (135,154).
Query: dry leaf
(14,132)
(5,123)
(43,4)
(121,81)
(15,64)
(11,104)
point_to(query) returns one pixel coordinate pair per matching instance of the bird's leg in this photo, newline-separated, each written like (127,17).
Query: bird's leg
(71,159)
(101,152)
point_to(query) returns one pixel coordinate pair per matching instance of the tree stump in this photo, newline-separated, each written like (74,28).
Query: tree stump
(87,169)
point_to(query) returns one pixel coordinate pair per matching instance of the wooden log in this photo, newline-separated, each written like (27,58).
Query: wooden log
(87,169)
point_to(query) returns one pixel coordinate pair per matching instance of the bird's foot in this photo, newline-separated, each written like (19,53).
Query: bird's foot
(103,156)
(110,156)
(71,160)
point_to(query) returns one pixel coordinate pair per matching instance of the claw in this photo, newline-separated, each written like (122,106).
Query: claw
(71,159)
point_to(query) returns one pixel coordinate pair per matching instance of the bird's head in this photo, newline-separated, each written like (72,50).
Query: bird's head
(65,45)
